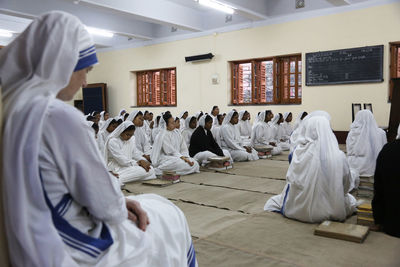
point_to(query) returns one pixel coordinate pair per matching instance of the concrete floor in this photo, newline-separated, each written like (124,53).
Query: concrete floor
(229,227)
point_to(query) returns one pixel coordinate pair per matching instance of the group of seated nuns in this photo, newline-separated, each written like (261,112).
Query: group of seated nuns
(320,176)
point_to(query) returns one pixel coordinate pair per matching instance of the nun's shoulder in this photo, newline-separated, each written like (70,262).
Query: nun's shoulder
(68,115)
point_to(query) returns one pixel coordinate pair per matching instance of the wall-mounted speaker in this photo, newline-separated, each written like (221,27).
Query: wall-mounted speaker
(208,56)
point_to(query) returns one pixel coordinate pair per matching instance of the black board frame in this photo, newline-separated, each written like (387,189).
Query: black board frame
(381,79)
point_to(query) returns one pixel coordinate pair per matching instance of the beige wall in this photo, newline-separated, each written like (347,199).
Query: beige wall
(370,26)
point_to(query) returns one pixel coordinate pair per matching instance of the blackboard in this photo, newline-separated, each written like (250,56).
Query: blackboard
(353,65)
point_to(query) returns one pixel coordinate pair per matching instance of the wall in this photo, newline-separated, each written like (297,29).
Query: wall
(369,26)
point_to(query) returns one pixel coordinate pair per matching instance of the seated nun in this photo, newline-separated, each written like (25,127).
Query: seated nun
(245,127)
(277,132)
(214,114)
(202,143)
(123,157)
(262,134)
(182,118)
(286,126)
(170,153)
(217,128)
(155,129)
(190,126)
(142,142)
(318,179)
(177,123)
(108,127)
(364,142)
(146,124)
(231,141)
(104,116)
(387,188)
(71,211)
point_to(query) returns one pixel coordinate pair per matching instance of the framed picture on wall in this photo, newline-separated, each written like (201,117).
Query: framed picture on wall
(354,109)
(368,106)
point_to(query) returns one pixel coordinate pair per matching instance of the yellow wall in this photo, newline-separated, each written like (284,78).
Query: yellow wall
(370,26)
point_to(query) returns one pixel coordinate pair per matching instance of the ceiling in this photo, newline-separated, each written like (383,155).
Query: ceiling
(141,22)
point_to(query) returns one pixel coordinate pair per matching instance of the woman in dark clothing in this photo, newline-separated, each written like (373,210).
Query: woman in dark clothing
(202,143)
(387,189)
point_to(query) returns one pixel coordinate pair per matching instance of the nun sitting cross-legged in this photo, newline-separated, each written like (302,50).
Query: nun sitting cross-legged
(170,152)
(318,178)
(231,140)
(124,158)
(202,143)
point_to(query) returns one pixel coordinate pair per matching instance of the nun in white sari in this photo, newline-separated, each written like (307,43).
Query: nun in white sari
(190,126)
(170,152)
(108,127)
(141,140)
(318,179)
(231,141)
(262,134)
(123,157)
(278,132)
(62,207)
(244,127)
(364,142)
(286,126)
(182,118)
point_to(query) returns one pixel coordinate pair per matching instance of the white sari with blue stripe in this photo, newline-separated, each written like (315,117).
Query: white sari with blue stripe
(88,208)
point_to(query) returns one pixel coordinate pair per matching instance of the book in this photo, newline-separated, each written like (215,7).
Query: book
(343,231)
(159,182)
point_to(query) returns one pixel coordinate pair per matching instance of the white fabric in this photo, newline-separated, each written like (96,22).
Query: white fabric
(97,198)
(202,157)
(364,142)
(187,132)
(120,112)
(244,126)
(33,68)
(299,130)
(141,140)
(101,121)
(230,140)
(277,134)
(318,178)
(216,130)
(262,135)
(298,120)
(123,157)
(167,151)
(287,127)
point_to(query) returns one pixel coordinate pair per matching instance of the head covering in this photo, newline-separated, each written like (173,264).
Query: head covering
(102,115)
(116,133)
(106,124)
(182,113)
(132,115)
(33,69)
(364,142)
(120,112)
(241,114)
(285,115)
(157,146)
(275,119)
(90,123)
(228,117)
(187,121)
(202,121)
(317,189)
(298,120)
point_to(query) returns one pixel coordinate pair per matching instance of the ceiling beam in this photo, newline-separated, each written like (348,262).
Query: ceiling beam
(122,25)
(155,11)
(253,10)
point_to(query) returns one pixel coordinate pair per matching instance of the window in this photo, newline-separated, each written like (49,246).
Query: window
(156,87)
(394,65)
(275,80)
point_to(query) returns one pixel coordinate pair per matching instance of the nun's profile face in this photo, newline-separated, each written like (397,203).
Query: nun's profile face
(106,116)
(193,124)
(269,116)
(289,118)
(245,116)
(112,127)
(185,115)
(171,124)
(125,136)
(235,119)
(220,120)
(177,124)
(138,121)
(77,80)
(208,125)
